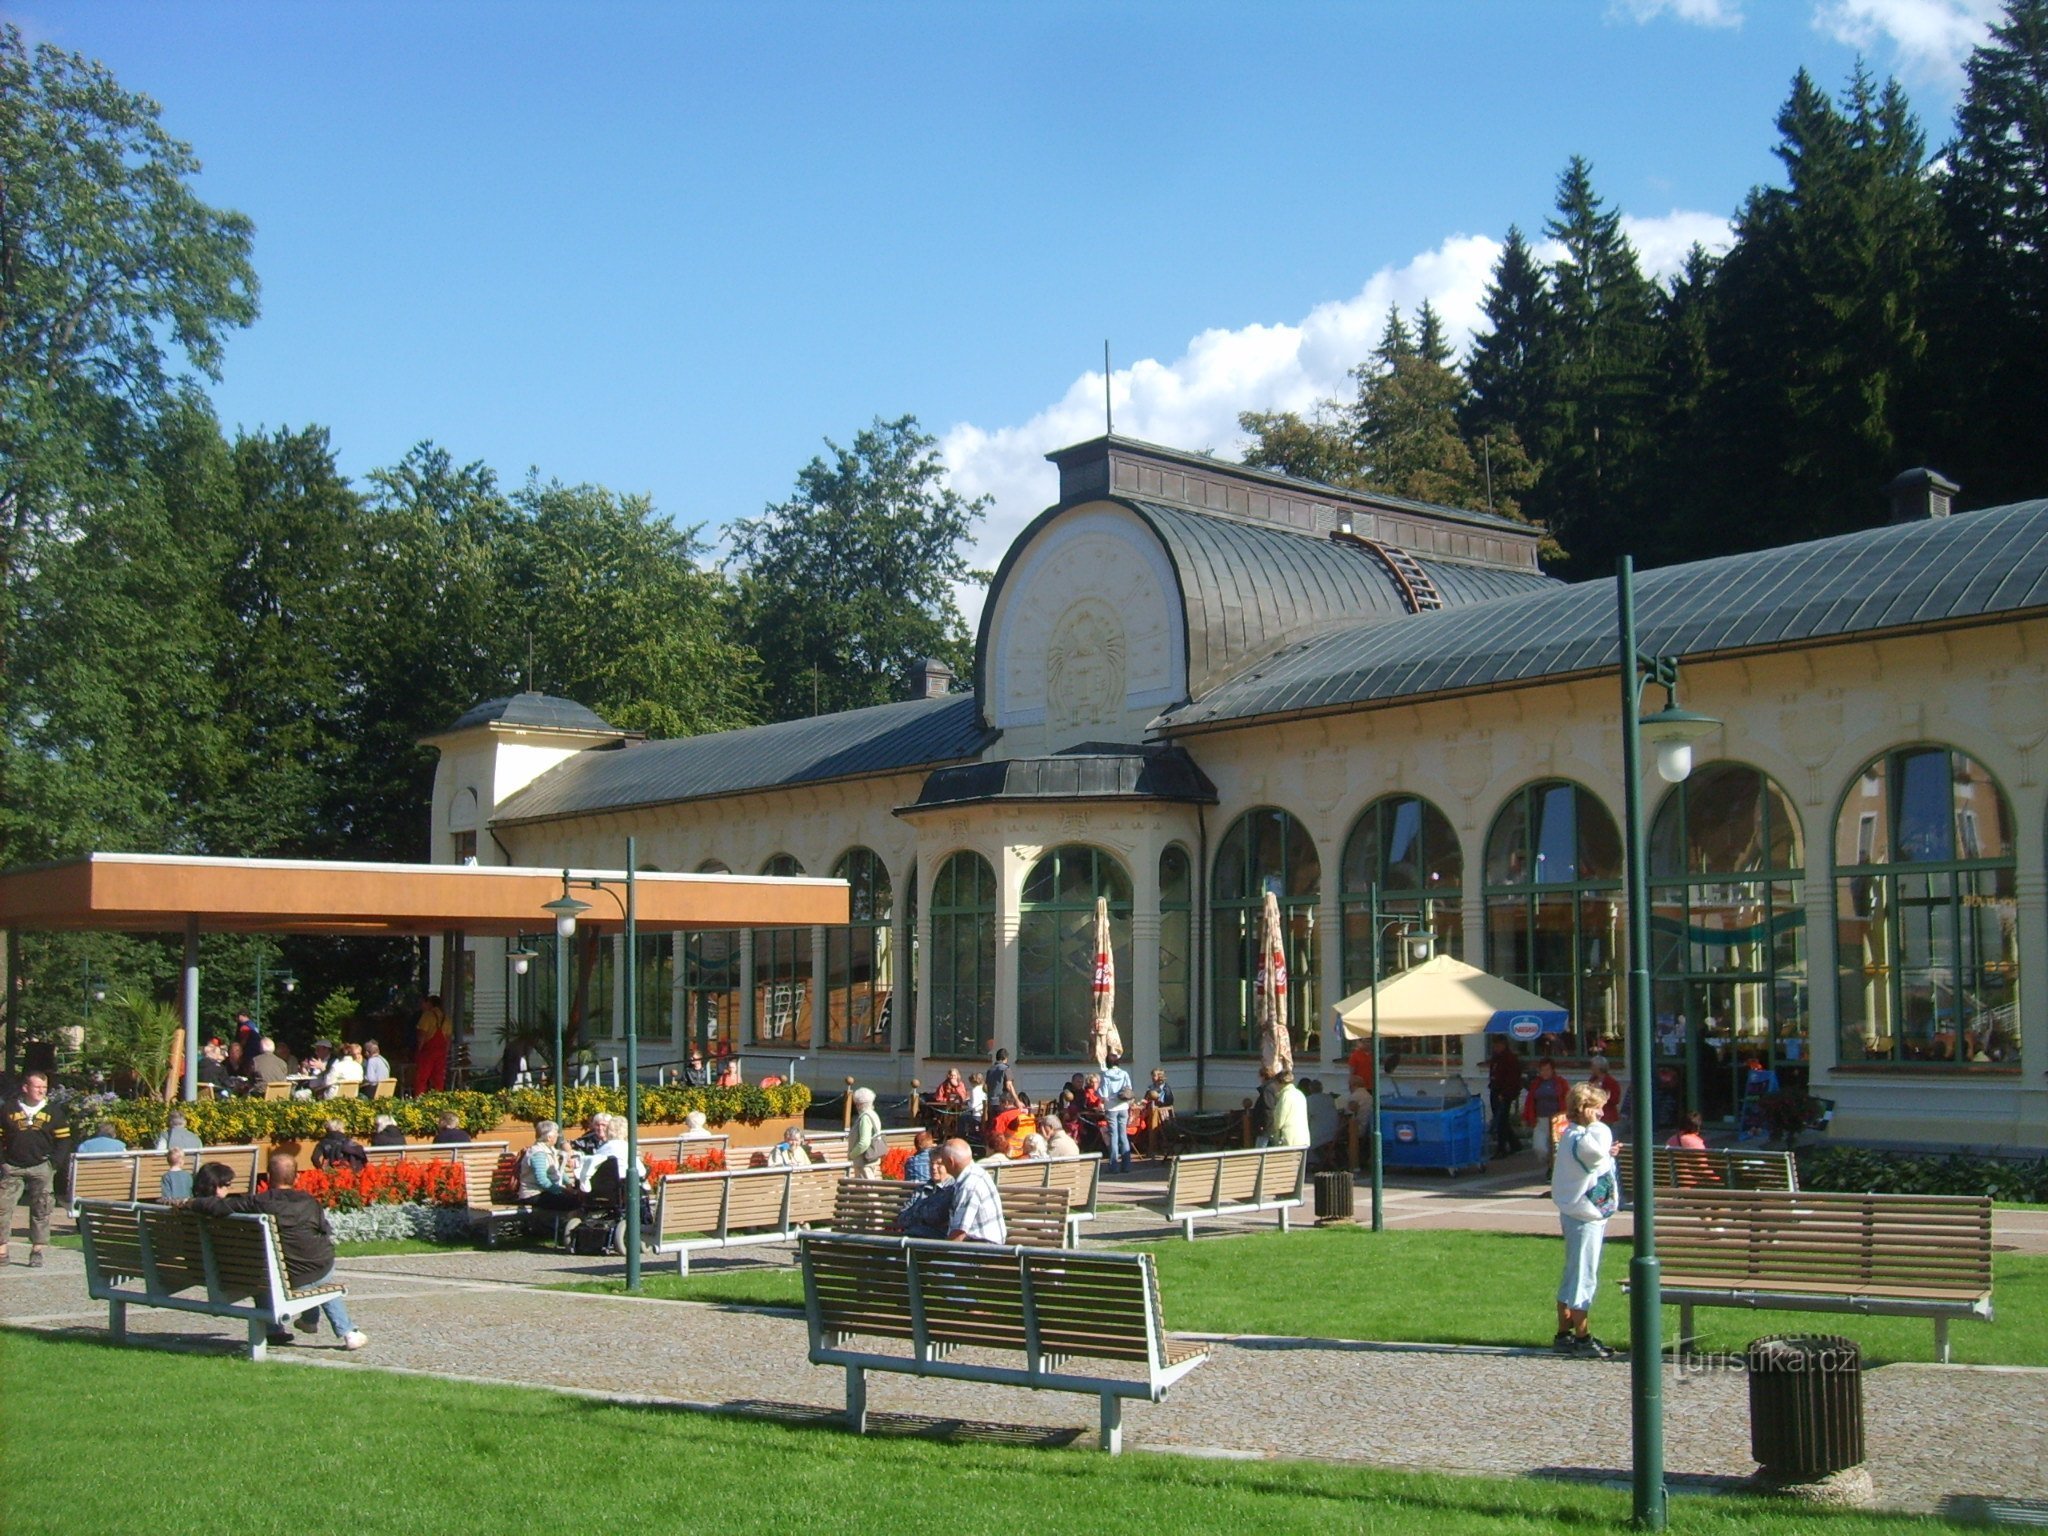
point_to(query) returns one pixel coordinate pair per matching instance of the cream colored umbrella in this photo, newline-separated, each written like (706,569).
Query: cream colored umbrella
(1276,1048)
(1103,1038)
(1443,996)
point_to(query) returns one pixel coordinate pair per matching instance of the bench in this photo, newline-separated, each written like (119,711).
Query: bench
(482,1162)
(139,1254)
(740,1206)
(1073,1317)
(1033,1216)
(832,1144)
(674,1149)
(1722,1167)
(1898,1255)
(1079,1176)
(1202,1185)
(137,1174)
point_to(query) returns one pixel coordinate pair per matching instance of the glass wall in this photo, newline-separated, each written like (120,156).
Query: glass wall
(1176,950)
(1410,849)
(963,956)
(710,964)
(859,961)
(782,975)
(1727,940)
(1264,850)
(1926,923)
(1056,950)
(1554,919)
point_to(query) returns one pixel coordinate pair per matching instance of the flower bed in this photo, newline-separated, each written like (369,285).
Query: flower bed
(234,1122)
(388,1223)
(895,1161)
(346,1189)
(702,1162)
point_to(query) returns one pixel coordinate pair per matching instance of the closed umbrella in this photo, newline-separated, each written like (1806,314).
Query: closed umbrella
(1103,1038)
(1276,1049)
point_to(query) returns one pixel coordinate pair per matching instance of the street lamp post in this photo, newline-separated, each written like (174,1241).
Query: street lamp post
(566,910)
(1672,732)
(1381,927)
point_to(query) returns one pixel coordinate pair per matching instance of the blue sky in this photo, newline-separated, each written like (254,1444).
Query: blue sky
(670,248)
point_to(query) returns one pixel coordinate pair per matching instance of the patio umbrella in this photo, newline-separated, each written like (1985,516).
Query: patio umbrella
(1102,1036)
(1443,996)
(1276,1049)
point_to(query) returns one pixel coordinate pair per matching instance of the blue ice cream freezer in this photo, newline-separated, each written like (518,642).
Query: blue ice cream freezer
(1439,1126)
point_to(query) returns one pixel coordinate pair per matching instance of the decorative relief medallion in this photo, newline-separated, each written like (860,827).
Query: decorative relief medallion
(1085,666)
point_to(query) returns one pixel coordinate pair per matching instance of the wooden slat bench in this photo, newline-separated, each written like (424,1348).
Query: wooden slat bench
(741,1206)
(482,1162)
(1711,1167)
(1073,1318)
(139,1254)
(1080,1177)
(137,1174)
(1033,1216)
(832,1144)
(674,1149)
(1204,1185)
(1910,1255)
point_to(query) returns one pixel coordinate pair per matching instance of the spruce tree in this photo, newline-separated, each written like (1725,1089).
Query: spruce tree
(1508,371)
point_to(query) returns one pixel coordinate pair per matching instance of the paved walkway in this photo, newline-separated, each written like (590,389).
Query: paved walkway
(1935,1433)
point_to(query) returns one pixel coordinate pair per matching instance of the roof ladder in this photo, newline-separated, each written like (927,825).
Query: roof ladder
(1417,590)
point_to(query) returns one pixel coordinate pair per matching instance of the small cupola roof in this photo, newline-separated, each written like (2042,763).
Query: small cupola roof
(534,711)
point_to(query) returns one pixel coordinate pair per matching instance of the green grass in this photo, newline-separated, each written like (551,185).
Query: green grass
(372,1453)
(1450,1288)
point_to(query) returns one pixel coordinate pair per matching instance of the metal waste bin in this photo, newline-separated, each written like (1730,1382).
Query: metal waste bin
(1333,1196)
(1805,1405)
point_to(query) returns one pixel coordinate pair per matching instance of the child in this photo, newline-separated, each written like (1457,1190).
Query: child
(176,1183)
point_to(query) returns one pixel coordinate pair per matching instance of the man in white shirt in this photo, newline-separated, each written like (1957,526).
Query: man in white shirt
(977,1208)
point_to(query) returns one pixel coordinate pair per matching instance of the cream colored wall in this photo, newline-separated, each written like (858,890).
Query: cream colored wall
(1811,719)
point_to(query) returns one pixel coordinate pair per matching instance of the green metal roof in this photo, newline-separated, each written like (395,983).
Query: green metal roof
(1917,575)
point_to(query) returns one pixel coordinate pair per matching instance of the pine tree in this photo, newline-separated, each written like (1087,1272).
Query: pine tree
(1508,370)
(1431,344)
(1995,197)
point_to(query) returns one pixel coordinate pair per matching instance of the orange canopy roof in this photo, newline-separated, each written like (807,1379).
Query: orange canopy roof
(158,893)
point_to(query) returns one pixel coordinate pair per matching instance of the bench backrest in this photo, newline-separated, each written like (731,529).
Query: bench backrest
(1937,1244)
(1079,1176)
(1034,1216)
(868,1205)
(1702,1167)
(1044,1303)
(832,1144)
(744,1199)
(674,1149)
(137,1174)
(481,1163)
(1251,1176)
(234,1258)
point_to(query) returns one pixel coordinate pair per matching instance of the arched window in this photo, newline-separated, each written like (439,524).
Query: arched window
(1925,918)
(859,962)
(1056,950)
(1554,920)
(1409,848)
(782,974)
(1727,939)
(711,981)
(1265,849)
(963,956)
(1176,945)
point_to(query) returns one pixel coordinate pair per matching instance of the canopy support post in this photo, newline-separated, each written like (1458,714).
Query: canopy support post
(190,995)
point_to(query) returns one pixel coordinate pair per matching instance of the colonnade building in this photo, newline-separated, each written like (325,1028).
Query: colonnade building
(1196,682)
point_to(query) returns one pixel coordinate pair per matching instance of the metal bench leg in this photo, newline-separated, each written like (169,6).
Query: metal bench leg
(857,1399)
(259,1339)
(1283,1218)
(1685,1333)
(1112,1423)
(1187,1228)
(683,1262)
(117,1321)
(1941,1340)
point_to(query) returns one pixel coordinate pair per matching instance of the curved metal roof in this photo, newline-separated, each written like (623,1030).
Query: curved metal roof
(1249,588)
(886,738)
(1916,575)
(542,711)
(1093,771)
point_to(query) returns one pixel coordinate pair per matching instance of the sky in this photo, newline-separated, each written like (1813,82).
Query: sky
(673,248)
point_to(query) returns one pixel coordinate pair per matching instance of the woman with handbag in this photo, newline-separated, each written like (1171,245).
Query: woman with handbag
(1586,1192)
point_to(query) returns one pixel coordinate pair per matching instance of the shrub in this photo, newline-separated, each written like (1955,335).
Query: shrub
(1855,1170)
(388,1223)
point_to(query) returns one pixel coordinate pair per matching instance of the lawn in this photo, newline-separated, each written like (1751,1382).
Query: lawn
(115,1441)
(1450,1288)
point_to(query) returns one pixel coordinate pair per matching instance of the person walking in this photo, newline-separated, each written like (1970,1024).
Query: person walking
(1542,1108)
(430,1063)
(1586,1193)
(33,1143)
(1504,1095)
(864,1143)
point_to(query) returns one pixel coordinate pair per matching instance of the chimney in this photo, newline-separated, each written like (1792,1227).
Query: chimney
(930,679)
(1920,495)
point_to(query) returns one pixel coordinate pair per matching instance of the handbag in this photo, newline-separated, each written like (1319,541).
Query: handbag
(1604,1193)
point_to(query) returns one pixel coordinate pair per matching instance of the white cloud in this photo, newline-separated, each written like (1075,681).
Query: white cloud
(1193,401)
(1929,38)
(1699,13)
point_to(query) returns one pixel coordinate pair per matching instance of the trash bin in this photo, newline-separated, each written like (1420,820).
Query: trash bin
(1333,1196)
(1805,1405)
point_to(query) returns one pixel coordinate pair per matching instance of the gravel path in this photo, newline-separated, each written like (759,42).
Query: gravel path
(1935,1432)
